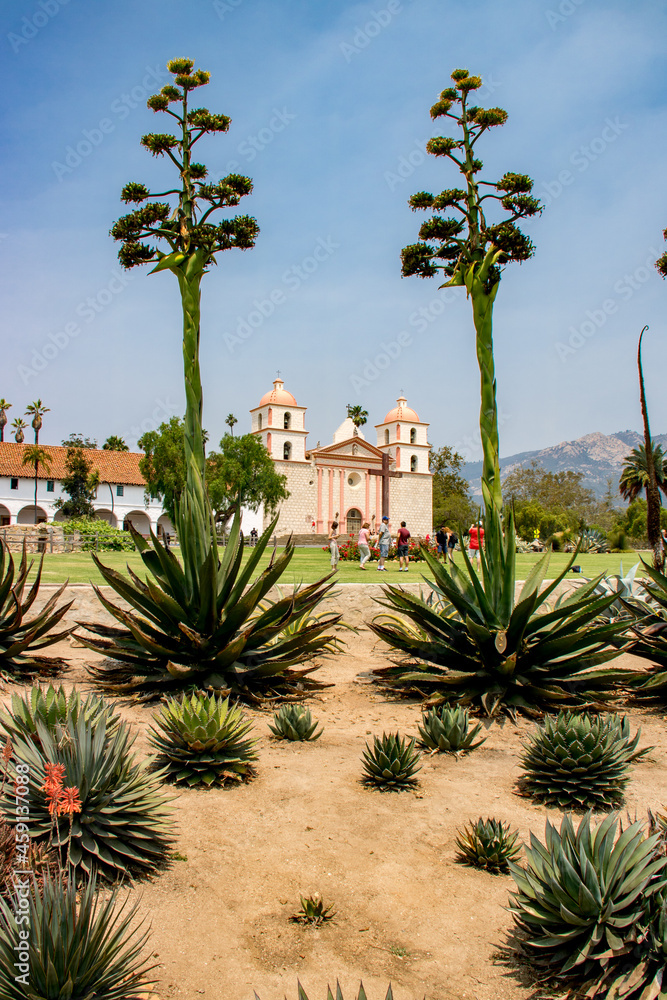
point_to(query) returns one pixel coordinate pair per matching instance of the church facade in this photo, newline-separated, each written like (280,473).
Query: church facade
(350,480)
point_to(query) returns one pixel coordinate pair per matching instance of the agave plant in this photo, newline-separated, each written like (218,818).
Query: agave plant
(648,635)
(202,740)
(313,911)
(489,844)
(54,707)
(391,763)
(583,896)
(124,825)
(202,629)
(446,730)
(641,973)
(579,761)
(79,945)
(482,647)
(294,722)
(592,540)
(22,636)
(361,995)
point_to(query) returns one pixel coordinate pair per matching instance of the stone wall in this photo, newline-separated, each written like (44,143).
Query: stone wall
(38,538)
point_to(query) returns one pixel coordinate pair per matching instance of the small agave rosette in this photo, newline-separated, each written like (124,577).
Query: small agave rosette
(445,730)
(203,740)
(391,763)
(489,844)
(294,722)
(579,761)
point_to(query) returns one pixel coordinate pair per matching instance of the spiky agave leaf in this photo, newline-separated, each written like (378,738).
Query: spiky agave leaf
(484,648)
(294,722)
(361,994)
(21,636)
(53,707)
(583,895)
(391,763)
(445,729)
(202,739)
(489,844)
(641,972)
(579,761)
(78,945)
(313,910)
(125,823)
(198,625)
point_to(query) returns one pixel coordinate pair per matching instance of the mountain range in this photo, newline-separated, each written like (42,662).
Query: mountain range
(598,456)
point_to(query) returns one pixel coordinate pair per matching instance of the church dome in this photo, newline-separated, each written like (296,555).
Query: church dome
(402,412)
(278,396)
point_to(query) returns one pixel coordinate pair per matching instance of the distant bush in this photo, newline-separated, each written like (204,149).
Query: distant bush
(97,535)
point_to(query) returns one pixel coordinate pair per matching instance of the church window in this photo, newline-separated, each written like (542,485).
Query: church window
(287,420)
(386,436)
(259,421)
(287,450)
(50,486)
(413,435)
(413,463)
(120,490)
(14,484)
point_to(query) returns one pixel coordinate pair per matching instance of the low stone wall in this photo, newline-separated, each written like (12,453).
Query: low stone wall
(38,538)
(355,601)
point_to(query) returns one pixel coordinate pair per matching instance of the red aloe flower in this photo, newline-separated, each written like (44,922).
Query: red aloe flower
(70,801)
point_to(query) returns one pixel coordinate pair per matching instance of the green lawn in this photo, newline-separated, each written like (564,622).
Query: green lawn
(309,565)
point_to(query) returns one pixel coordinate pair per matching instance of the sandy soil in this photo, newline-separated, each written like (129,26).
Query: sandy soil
(406,912)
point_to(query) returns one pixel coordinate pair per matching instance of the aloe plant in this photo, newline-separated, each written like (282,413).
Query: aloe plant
(192,621)
(22,636)
(79,944)
(482,647)
(55,707)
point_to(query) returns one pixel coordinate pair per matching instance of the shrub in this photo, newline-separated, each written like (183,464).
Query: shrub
(97,535)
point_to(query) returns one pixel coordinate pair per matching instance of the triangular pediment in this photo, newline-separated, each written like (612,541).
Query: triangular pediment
(354,447)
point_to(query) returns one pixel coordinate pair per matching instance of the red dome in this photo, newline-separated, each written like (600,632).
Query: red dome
(402,412)
(278,396)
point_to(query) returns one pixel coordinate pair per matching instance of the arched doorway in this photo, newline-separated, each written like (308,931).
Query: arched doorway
(353,520)
(139,521)
(5,516)
(108,516)
(27,516)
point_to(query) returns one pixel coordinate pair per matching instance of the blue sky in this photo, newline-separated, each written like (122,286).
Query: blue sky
(330,113)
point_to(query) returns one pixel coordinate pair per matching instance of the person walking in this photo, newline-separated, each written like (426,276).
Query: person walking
(476,535)
(403,547)
(452,540)
(333,544)
(441,539)
(384,541)
(363,545)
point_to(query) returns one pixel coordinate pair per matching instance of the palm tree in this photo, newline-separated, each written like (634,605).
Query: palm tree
(114,443)
(230,420)
(357,415)
(37,411)
(34,455)
(4,406)
(635,475)
(19,426)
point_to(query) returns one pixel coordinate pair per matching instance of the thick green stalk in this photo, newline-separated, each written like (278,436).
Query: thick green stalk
(652,491)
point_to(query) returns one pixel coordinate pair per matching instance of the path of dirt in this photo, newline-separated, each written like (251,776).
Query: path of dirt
(406,912)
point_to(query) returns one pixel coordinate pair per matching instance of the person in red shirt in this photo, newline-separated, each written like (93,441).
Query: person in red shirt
(402,545)
(476,535)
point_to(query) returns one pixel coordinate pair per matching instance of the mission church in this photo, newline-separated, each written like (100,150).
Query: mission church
(350,480)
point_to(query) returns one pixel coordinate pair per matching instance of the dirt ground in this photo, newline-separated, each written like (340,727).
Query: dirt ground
(406,913)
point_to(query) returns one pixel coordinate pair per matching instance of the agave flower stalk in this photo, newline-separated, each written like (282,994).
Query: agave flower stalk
(467,249)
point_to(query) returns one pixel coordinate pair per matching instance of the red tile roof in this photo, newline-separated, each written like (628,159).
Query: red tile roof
(113,466)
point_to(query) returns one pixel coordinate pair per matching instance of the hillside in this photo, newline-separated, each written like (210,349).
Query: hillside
(598,456)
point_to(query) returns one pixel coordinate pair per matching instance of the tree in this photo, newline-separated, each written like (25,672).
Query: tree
(467,249)
(114,443)
(79,441)
(37,410)
(4,406)
(357,415)
(163,464)
(547,501)
(19,426)
(452,504)
(242,474)
(635,475)
(36,456)
(230,420)
(79,483)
